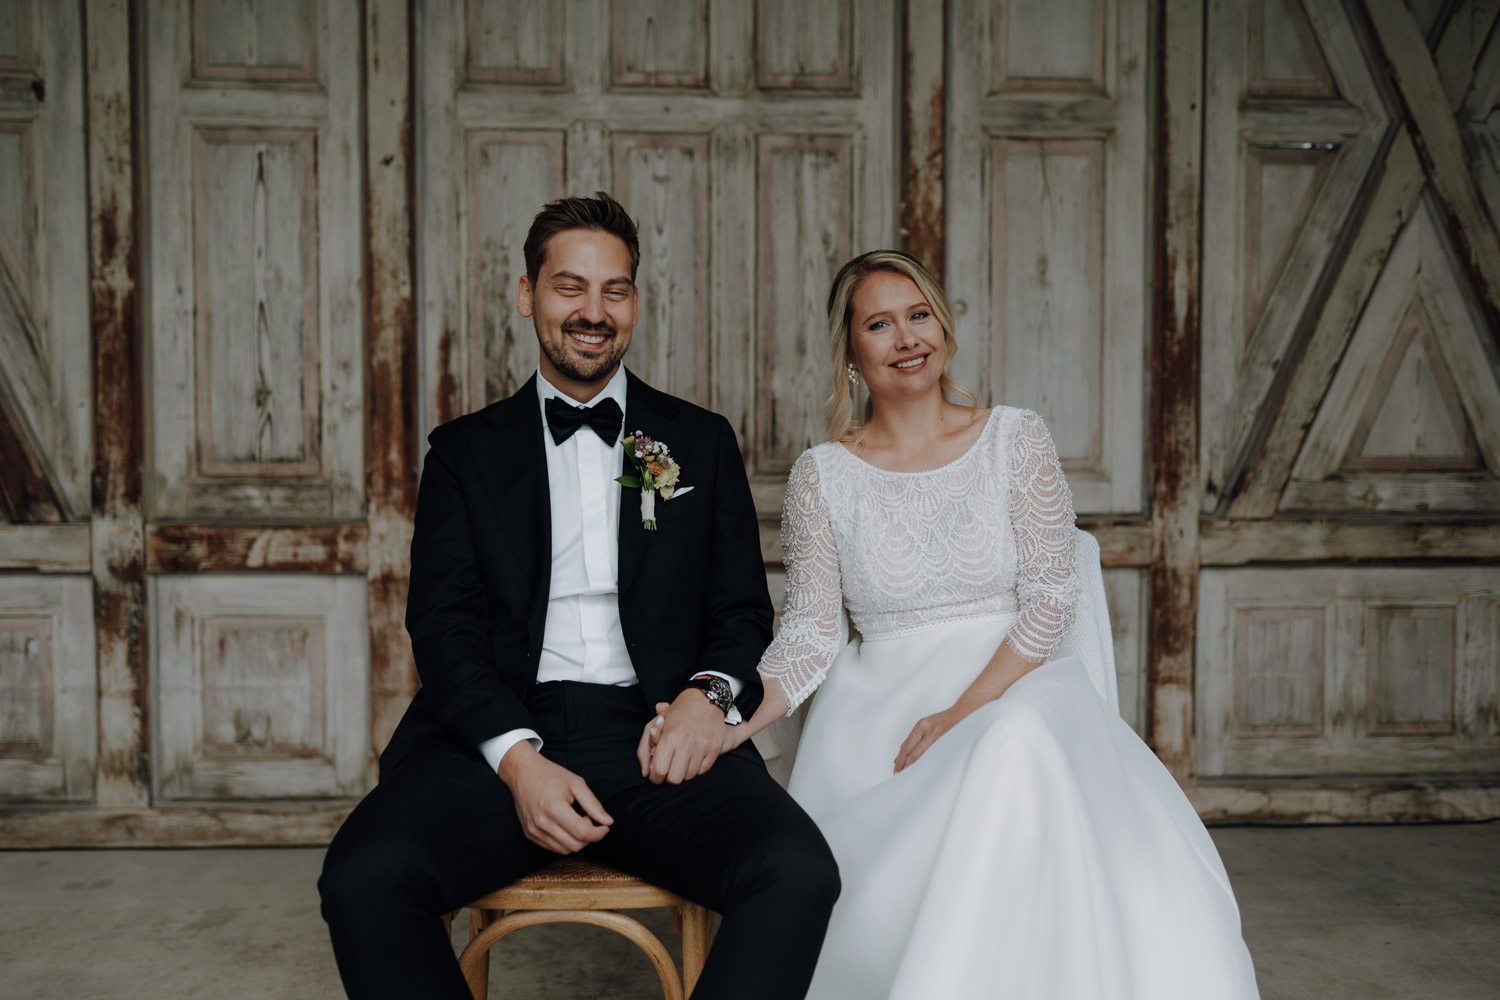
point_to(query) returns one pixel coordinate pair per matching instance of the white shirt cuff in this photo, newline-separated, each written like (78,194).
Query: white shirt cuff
(732,717)
(496,747)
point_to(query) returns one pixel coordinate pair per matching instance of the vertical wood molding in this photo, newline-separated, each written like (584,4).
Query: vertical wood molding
(118,536)
(1176,350)
(391,353)
(924,95)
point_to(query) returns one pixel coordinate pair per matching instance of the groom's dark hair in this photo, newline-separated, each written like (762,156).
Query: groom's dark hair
(600,213)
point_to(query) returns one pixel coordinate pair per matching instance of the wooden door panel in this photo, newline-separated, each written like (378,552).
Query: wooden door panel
(44,322)
(261,686)
(49,734)
(255,179)
(662,180)
(1046,160)
(1327,672)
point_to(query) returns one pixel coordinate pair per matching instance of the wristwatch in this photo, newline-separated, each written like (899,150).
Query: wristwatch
(716,689)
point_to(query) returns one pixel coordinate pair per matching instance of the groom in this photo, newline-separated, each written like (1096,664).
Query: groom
(546,621)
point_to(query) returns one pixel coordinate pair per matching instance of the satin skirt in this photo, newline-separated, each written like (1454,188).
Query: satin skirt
(1037,850)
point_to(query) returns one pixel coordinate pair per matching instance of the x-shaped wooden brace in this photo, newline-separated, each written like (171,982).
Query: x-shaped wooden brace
(1428,145)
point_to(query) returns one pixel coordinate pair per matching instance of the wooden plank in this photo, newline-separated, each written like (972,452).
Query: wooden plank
(1408,493)
(278,824)
(187,548)
(1174,421)
(118,535)
(45,548)
(391,358)
(1240,543)
(1292,802)
(923,107)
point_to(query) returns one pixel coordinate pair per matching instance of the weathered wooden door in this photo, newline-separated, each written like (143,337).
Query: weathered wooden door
(1048,230)
(1350,411)
(259,681)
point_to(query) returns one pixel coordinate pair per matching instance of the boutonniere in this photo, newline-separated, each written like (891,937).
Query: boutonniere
(658,474)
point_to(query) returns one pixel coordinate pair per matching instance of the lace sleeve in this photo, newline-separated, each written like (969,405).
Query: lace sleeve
(808,639)
(1041,513)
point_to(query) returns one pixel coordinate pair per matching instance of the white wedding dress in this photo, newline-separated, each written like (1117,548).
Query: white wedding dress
(1038,850)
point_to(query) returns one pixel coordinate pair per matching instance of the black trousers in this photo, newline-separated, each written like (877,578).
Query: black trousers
(441,830)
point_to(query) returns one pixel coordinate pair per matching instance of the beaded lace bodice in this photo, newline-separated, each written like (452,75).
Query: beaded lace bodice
(989,534)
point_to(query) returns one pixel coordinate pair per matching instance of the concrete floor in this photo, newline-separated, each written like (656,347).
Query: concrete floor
(1330,913)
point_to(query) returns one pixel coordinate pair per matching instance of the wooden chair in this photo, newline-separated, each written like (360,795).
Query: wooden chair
(572,890)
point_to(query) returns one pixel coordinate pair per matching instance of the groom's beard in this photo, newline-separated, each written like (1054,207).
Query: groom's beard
(585,368)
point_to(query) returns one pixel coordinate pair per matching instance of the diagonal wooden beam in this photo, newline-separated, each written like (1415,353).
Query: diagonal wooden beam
(1429,113)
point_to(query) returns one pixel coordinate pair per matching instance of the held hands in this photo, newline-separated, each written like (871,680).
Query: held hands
(925,733)
(684,739)
(556,808)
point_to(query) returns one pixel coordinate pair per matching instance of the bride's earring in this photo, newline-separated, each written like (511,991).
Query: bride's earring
(853,376)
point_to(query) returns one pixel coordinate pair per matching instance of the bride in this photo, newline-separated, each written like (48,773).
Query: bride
(1000,830)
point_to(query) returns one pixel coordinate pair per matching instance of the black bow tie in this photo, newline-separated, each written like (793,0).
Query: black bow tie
(605,417)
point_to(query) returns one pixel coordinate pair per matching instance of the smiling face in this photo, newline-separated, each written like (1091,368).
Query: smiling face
(583,306)
(896,342)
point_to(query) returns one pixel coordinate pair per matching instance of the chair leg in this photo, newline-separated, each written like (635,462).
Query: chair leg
(478,921)
(697,924)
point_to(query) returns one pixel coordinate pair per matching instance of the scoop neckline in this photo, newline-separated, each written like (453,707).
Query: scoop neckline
(970,450)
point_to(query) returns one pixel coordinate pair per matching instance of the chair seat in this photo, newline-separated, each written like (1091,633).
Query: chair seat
(577,884)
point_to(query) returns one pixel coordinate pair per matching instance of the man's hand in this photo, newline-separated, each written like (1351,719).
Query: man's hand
(548,799)
(686,743)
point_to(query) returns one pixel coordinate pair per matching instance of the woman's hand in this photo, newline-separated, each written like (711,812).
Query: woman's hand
(925,733)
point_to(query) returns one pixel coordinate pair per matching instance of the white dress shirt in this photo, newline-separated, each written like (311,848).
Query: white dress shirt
(583,638)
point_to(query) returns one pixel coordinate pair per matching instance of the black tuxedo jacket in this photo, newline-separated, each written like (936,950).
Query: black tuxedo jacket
(692,594)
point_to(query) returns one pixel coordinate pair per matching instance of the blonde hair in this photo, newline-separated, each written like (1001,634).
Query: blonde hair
(841,422)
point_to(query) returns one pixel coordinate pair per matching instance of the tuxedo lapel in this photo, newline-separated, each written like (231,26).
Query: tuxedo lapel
(650,412)
(512,464)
